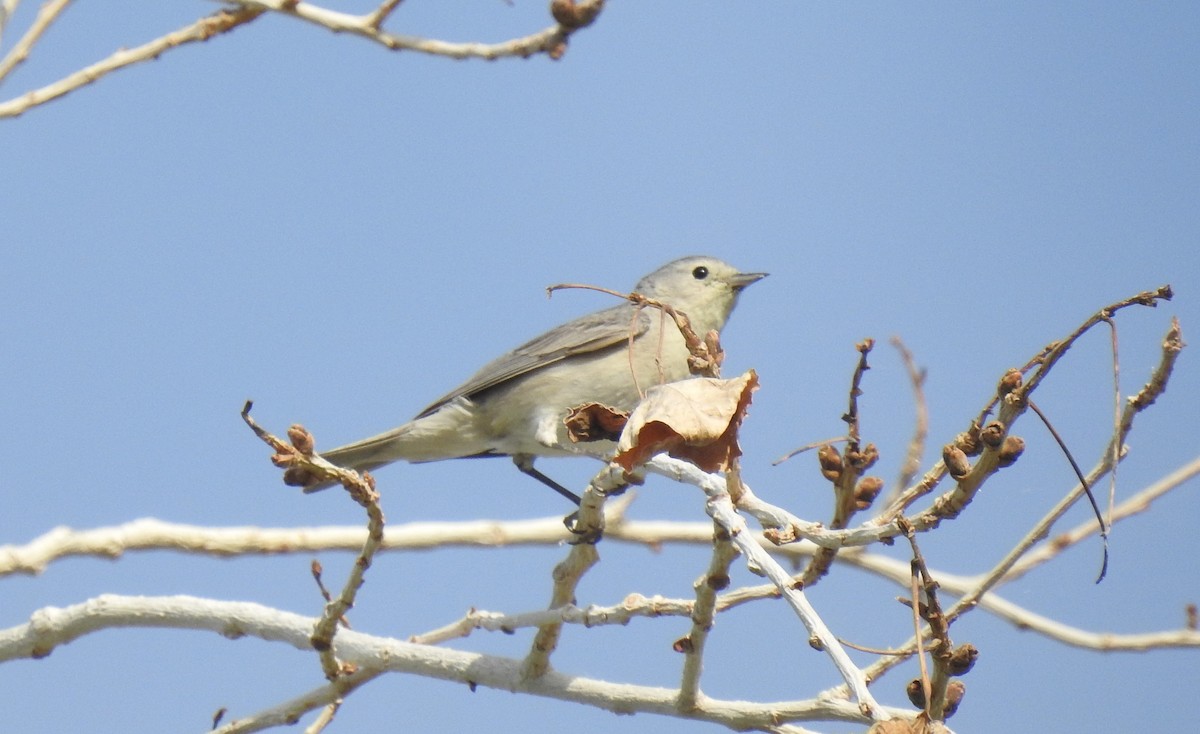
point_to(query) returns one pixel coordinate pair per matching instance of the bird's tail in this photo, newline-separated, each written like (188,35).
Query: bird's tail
(365,455)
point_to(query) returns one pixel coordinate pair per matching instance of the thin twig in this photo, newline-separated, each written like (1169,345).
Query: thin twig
(720,507)
(7,8)
(588,524)
(703,614)
(1087,489)
(317,574)
(705,353)
(855,460)
(1145,298)
(551,40)
(918,635)
(1013,396)
(326,697)
(851,417)
(46,16)
(326,627)
(298,454)
(218,23)
(1172,345)
(1007,568)
(809,447)
(1135,504)
(1045,360)
(930,609)
(1116,362)
(916,447)
(377,16)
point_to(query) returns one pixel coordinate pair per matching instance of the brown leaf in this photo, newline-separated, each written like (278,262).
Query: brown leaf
(595,422)
(695,420)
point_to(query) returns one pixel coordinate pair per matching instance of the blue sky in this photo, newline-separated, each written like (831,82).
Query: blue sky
(344,233)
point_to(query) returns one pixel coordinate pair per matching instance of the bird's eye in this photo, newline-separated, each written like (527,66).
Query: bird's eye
(700,273)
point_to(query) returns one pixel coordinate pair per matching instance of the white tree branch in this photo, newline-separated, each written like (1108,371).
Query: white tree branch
(367,26)
(551,40)
(46,16)
(150,534)
(720,508)
(202,30)
(51,627)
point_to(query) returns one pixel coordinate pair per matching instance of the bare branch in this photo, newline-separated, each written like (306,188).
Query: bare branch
(220,22)
(899,572)
(720,508)
(376,17)
(46,16)
(1012,396)
(703,613)
(589,523)
(326,697)
(846,471)
(7,8)
(1137,503)
(551,41)
(50,627)
(1172,345)
(335,610)
(1083,482)
(916,447)
(1055,352)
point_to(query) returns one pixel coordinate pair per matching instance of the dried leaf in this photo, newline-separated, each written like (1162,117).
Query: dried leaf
(695,420)
(595,422)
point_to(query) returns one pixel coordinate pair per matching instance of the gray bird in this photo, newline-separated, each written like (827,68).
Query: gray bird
(514,406)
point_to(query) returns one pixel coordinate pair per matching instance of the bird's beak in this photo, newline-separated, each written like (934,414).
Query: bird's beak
(741,280)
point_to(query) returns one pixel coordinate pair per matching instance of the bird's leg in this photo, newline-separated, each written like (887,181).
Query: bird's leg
(524,463)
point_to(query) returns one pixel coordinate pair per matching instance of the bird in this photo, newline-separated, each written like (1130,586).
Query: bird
(515,405)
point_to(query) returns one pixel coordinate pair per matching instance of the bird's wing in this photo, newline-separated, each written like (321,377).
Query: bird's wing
(605,329)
